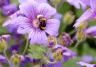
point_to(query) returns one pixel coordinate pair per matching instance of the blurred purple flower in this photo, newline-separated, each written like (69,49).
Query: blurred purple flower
(87,58)
(36,20)
(9,9)
(59,50)
(4,2)
(3,59)
(57,64)
(6,37)
(82,64)
(91,31)
(67,54)
(65,39)
(79,3)
(9,23)
(18,42)
(89,14)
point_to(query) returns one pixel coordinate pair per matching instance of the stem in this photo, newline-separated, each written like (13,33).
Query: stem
(17,65)
(26,46)
(77,44)
(73,31)
(10,64)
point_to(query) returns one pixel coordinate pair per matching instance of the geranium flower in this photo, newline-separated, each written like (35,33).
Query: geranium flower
(7,8)
(82,64)
(89,14)
(36,20)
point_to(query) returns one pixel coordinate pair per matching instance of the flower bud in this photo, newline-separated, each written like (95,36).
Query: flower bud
(81,25)
(68,18)
(80,35)
(55,3)
(3,45)
(52,41)
(58,55)
(3,42)
(16,58)
(65,39)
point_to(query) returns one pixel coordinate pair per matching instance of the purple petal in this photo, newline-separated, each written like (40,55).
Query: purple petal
(46,10)
(85,64)
(24,26)
(9,9)
(3,59)
(75,3)
(52,27)
(4,2)
(39,1)
(29,9)
(58,64)
(91,31)
(87,58)
(93,4)
(38,37)
(87,15)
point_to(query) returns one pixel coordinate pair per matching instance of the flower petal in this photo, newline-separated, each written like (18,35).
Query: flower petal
(38,37)
(87,15)
(53,27)
(93,4)
(46,10)
(29,9)
(24,25)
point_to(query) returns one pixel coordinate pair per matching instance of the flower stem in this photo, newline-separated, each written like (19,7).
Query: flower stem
(26,46)
(10,64)
(77,44)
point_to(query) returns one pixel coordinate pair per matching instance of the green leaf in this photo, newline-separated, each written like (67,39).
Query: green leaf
(37,51)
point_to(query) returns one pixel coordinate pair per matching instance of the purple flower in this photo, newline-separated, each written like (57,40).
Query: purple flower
(91,31)
(57,64)
(89,14)
(65,39)
(66,53)
(3,59)
(86,64)
(9,23)
(87,58)
(9,9)
(37,20)
(86,16)
(59,55)
(4,2)
(79,3)
(5,37)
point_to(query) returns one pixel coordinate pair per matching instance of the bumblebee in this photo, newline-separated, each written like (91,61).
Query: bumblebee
(42,21)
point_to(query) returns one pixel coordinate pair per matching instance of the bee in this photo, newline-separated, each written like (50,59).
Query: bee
(42,22)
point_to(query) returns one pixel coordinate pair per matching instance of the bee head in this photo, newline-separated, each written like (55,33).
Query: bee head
(41,18)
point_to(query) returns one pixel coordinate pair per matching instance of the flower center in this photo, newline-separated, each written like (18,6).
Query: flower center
(40,22)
